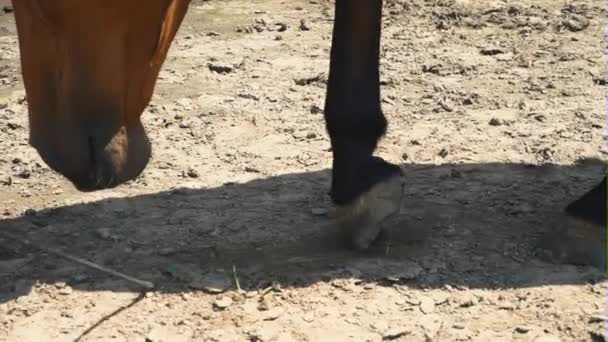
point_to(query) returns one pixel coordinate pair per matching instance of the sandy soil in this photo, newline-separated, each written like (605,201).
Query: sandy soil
(492,107)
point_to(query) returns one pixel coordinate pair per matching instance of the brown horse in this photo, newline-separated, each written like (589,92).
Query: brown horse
(90,69)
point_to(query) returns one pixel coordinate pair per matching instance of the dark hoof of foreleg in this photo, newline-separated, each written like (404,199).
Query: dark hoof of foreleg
(363,220)
(576,242)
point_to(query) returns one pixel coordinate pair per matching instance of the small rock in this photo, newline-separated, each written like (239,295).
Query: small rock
(104,233)
(192,173)
(412,271)
(443,153)
(215,282)
(368,286)
(314,109)
(547,338)
(395,333)
(598,318)
(522,329)
(319,211)
(455,174)
(320,78)
(222,302)
(6,181)
(308,317)
(220,68)
(165,333)
(281,27)
(468,301)
(440,298)
(272,314)
(12,125)
(447,105)
(495,122)
(66,290)
(303,25)
(427,305)
(7,9)
(575,23)
(25,174)
(251,169)
(491,51)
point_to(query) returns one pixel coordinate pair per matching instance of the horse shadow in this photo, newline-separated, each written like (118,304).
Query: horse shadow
(463,225)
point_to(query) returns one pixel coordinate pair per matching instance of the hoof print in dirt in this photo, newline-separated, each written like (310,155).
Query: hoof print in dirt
(362,221)
(575,242)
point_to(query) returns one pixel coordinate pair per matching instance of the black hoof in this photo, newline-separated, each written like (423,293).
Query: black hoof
(575,242)
(362,220)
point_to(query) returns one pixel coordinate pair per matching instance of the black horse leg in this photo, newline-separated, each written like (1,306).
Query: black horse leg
(367,189)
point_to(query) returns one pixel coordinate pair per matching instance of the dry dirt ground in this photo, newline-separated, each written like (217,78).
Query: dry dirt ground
(491,105)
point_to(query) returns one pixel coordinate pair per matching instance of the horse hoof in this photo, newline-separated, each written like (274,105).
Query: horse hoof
(575,242)
(362,220)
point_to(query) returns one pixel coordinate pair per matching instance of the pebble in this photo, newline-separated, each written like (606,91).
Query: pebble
(222,302)
(427,305)
(104,233)
(192,173)
(281,27)
(491,51)
(547,338)
(24,173)
(368,286)
(220,68)
(303,25)
(447,105)
(161,333)
(308,317)
(319,211)
(216,282)
(576,23)
(6,181)
(468,301)
(272,314)
(395,333)
(598,318)
(66,290)
(522,329)
(495,122)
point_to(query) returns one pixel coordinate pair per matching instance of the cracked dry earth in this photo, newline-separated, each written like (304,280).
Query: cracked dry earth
(496,112)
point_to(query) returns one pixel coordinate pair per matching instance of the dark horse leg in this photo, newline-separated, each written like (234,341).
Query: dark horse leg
(580,237)
(366,189)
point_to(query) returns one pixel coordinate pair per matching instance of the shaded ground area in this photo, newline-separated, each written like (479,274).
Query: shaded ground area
(490,106)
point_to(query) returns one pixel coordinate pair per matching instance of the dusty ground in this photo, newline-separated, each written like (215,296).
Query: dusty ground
(479,95)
